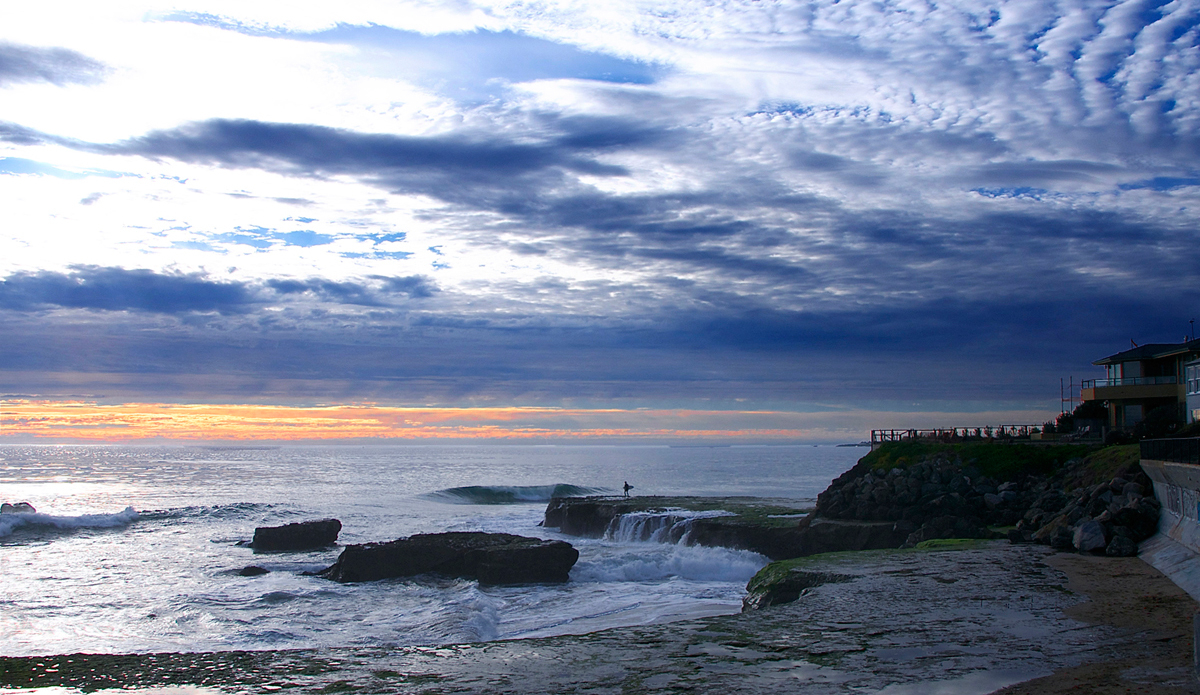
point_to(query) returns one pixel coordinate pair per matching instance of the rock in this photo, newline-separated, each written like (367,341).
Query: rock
(1017,535)
(773,586)
(18,508)
(948,527)
(817,535)
(305,535)
(492,558)
(252,571)
(1061,538)
(1120,546)
(992,501)
(1089,536)
(1133,489)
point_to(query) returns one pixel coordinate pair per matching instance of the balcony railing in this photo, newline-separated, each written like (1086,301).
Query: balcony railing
(1174,450)
(954,434)
(1130,381)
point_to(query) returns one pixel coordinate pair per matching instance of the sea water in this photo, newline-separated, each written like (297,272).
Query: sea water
(135,548)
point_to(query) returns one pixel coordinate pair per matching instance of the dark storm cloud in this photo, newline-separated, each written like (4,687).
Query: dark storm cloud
(117,289)
(442,166)
(55,65)
(415,287)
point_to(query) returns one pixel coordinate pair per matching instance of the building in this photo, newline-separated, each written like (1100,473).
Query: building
(1191,385)
(1145,378)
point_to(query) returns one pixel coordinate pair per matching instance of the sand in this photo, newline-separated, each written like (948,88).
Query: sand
(1153,654)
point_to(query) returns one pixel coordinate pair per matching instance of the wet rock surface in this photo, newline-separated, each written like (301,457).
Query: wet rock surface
(303,535)
(967,621)
(492,558)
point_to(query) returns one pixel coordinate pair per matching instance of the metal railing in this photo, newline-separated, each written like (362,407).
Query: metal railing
(1173,450)
(954,434)
(1129,381)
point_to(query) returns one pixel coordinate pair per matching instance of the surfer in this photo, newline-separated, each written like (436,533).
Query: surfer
(628,487)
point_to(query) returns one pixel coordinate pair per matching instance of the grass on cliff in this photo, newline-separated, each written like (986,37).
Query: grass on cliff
(1002,461)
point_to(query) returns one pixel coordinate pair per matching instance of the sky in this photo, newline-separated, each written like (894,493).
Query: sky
(747,221)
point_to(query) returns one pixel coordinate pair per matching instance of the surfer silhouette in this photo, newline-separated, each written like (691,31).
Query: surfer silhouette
(628,487)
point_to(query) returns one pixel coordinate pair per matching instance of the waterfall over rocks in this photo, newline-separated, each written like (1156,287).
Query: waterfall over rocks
(669,526)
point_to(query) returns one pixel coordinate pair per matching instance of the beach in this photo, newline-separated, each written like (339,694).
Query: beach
(1019,619)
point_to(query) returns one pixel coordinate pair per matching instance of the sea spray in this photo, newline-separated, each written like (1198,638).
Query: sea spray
(38,521)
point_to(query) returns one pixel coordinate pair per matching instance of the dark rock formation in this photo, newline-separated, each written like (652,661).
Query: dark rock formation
(18,508)
(305,535)
(252,571)
(818,535)
(492,558)
(935,495)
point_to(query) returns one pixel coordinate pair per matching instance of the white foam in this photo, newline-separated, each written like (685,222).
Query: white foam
(13,521)
(669,526)
(692,563)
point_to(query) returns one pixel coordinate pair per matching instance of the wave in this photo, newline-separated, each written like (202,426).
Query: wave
(693,563)
(236,510)
(510,494)
(670,526)
(12,522)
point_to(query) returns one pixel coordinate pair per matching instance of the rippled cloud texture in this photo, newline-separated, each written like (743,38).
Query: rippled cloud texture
(817,208)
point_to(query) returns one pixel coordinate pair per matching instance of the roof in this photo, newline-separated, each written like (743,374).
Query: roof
(1152,351)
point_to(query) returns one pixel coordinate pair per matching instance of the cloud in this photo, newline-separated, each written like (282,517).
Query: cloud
(432,165)
(472,65)
(117,289)
(57,66)
(381,293)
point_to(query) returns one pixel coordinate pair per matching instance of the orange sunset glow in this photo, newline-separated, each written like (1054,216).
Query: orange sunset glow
(128,422)
(141,421)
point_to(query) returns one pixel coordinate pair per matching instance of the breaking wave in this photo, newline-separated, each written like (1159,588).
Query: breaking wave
(12,522)
(510,494)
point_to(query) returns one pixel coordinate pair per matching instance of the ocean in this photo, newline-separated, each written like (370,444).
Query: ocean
(134,549)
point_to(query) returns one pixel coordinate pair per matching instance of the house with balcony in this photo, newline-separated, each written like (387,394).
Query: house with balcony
(1147,377)
(1191,387)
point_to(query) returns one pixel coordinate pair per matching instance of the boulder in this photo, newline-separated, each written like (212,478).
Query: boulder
(252,571)
(492,558)
(18,508)
(305,535)
(1089,536)
(1121,546)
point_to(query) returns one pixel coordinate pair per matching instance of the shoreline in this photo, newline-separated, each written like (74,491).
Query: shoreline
(964,621)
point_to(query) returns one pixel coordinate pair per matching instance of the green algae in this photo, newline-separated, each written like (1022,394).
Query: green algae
(951,544)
